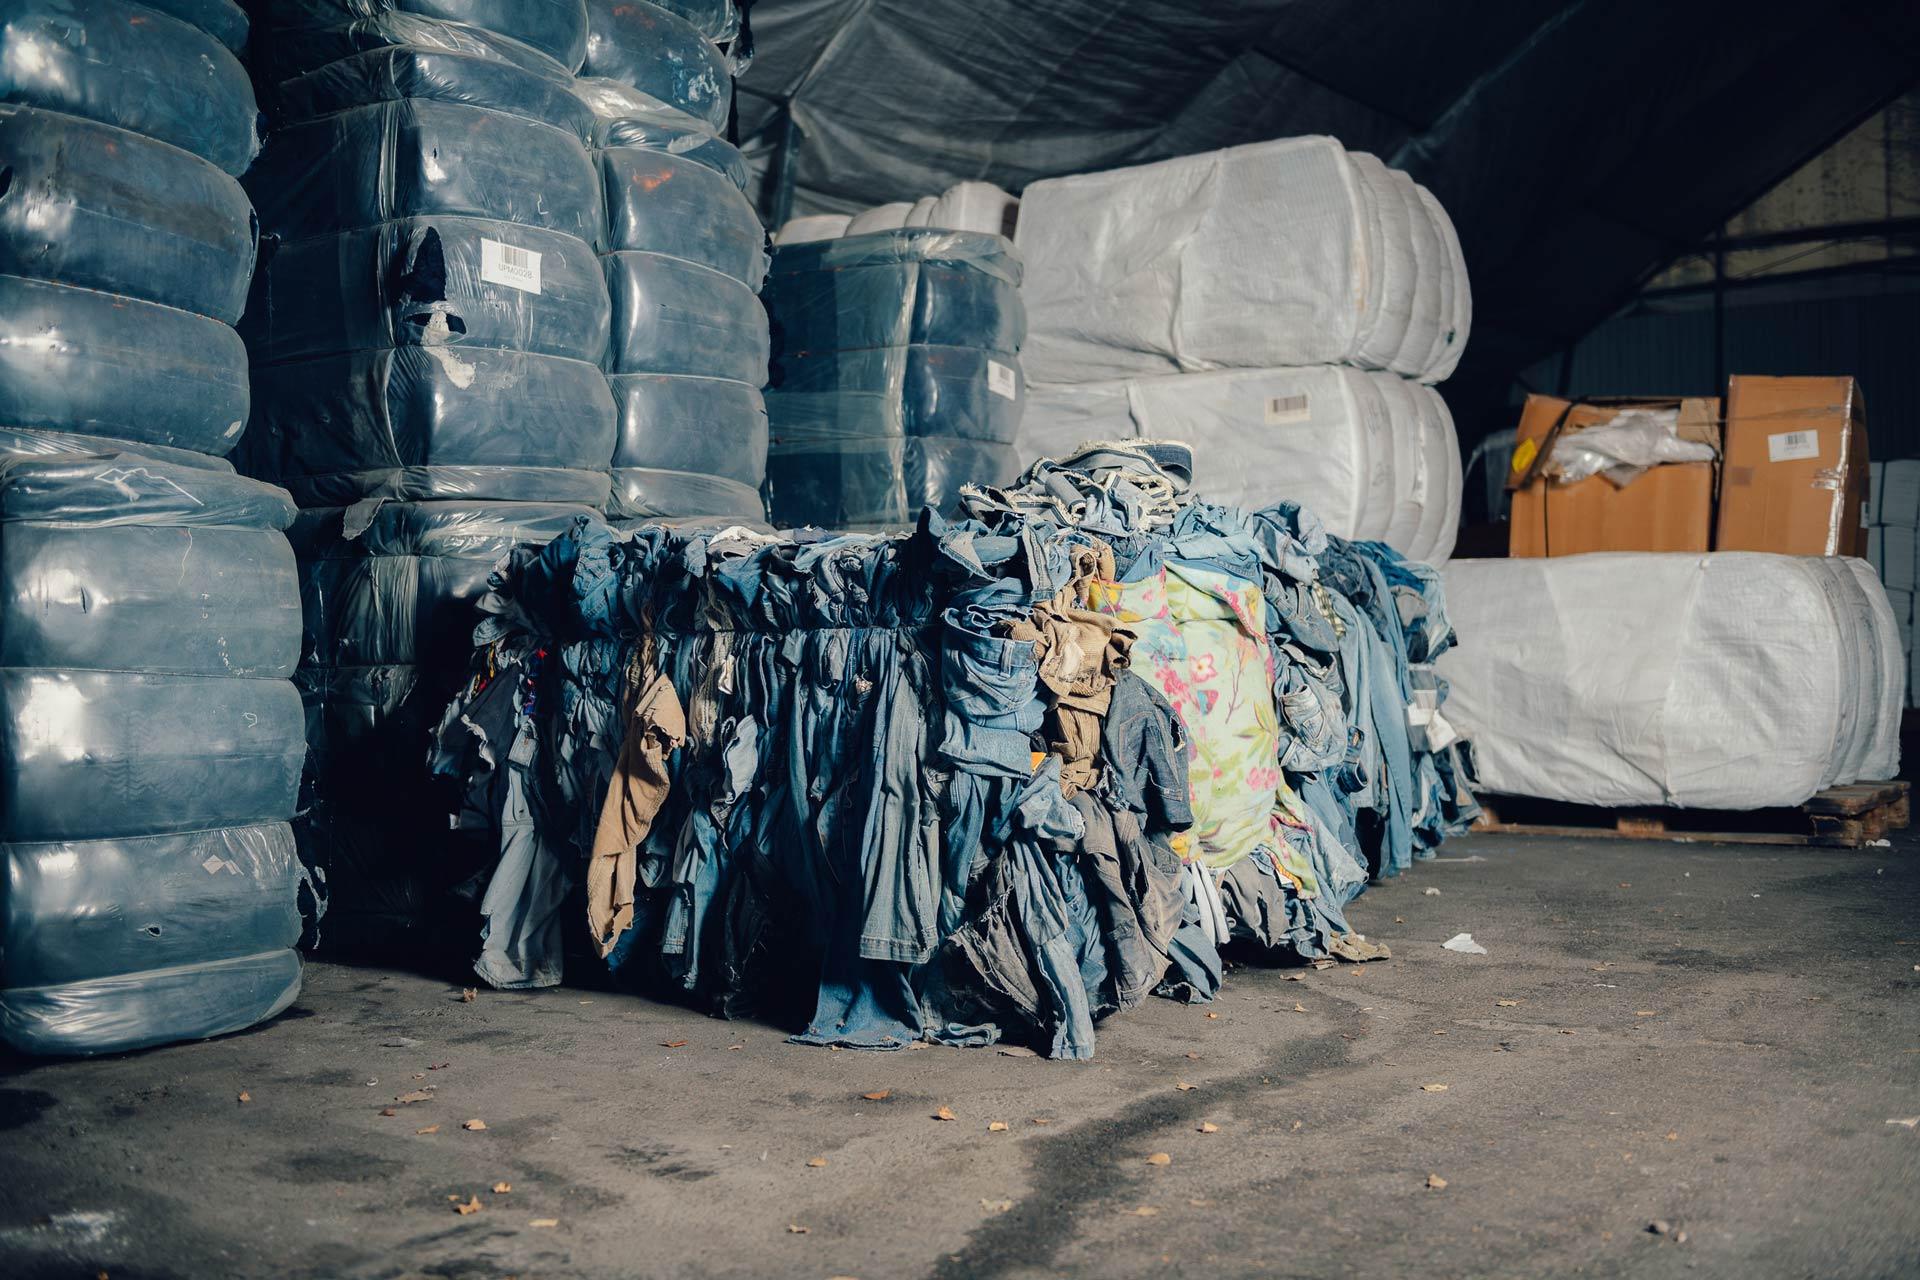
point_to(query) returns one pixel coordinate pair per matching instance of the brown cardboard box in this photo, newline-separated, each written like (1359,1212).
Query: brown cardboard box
(1670,508)
(1796,467)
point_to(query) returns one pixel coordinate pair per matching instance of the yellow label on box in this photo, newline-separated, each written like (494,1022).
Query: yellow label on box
(1523,455)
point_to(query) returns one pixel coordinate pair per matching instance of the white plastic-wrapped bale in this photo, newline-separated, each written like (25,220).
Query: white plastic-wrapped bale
(1739,680)
(1281,253)
(1373,455)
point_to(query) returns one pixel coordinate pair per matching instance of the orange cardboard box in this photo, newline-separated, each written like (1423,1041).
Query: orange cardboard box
(1669,508)
(1796,467)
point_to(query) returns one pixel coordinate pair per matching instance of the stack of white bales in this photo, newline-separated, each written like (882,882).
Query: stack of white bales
(1284,307)
(1892,515)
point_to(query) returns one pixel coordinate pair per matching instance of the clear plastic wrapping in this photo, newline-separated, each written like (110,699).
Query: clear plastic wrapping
(131,1011)
(717,20)
(224,20)
(401,589)
(660,202)
(80,910)
(89,754)
(31,443)
(672,316)
(397,72)
(642,493)
(661,54)
(557,28)
(896,288)
(626,117)
(87,204)
(878,481)
(291,52)
(128,65)
(963,392)
(712,426)
(432,483)
(100,364)
(375,164)
(430,282)
(371,412)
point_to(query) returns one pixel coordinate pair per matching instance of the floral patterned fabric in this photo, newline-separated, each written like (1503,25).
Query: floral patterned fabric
(1202,641)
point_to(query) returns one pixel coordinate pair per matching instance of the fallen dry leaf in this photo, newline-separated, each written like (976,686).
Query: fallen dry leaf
(1673,1135)
(795,1229)
(1506,1004)
(1646,1013)
(1160,1158)
(735,1048)
(470,1206)
(388,1111)
(1399,919)
(1184,1087)
(818,1162)
(1433,1088)
(673,1044)
(473,1126)
(1439,1033)
(1296,1126)
(544,1222)
(1906,1123)
(1194,1057)
(1213,1015)
(1430,892)
(414,1095)
(1037,1120)
(1566,1031)
(1299,1008)
(1144,1211)
(432,1128)
(468,995)
(502,1188)
(439,1066)
(244,1097)
(1625,885)
(945,1113)
(996,1206)
(878,1095)
(419,1075)
(997,1126)
(1208,1126)
(1436,1183)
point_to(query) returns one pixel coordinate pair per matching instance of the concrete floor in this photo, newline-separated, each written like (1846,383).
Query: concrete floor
(1710,1036)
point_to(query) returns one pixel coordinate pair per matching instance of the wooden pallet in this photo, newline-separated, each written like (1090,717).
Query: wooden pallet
(1838,818)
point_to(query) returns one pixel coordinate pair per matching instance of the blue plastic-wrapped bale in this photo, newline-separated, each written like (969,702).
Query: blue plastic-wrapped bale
(557,28)
(399,72)
(658,202)
(670,426)
(368,165)
(660,54)
(292,52)
(717,20)
(443,281)
(674,317)
(915,286)
(505,424)
(625,117)
(100,364)
(964,392)
(88,204)
(224,20)
(128,65)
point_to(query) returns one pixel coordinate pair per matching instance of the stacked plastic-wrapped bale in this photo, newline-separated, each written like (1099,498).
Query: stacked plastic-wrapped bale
(150,739)
(427,332)
(896,374)
(685,256)
(1285,307)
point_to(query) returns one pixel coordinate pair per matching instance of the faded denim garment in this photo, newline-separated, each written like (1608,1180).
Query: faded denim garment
(901,838)
(521,942)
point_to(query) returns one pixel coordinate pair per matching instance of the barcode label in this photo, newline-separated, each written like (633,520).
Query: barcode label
(510,265)
(1790,446)
(1284,409)
(1001,382)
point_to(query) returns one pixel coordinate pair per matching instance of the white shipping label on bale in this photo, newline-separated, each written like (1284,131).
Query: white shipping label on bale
(1731,681)
(510,265)
(1001,382)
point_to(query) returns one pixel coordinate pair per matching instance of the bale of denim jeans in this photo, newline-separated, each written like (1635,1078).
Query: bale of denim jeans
(647,494)
(28,442)
(424,158)
(95,206)
(877,482)
(364,420)
(625,117)
(124,1012)
(79,910)
(397,586)
(1374,455)
(290,52)
(921,286)
(665,203)
(965,392)
(122,368)
(557,28)
(711,426)
(1176,266)
(448,282)
(671,316)
(224,20)
(660,54)
(124,64)
(1730,681)
(398,72)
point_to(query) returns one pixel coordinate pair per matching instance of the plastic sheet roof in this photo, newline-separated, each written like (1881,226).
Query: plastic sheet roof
(1577,146)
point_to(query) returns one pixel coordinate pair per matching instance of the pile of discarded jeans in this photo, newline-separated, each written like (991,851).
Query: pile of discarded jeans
(996,778)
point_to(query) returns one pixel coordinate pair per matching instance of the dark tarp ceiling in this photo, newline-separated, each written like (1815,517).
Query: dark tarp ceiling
(1577,146)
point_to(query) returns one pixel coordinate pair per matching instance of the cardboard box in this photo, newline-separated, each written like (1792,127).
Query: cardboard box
(1669,508)
(1796,470)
